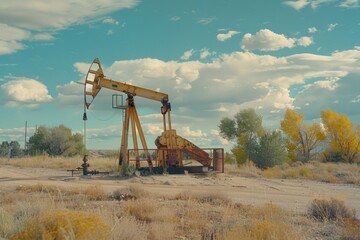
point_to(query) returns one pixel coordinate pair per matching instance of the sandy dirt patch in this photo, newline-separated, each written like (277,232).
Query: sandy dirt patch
(294,195)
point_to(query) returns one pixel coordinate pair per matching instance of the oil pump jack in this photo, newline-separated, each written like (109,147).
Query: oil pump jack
(171,148)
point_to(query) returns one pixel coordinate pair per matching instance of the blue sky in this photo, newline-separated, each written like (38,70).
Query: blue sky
(213,58)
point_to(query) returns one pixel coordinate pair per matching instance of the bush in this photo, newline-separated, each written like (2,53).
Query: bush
(65,225)
(127,170)
(330,210)
(130,193)
(271,151)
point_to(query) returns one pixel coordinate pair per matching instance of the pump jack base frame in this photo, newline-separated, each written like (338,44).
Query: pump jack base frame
(176,170)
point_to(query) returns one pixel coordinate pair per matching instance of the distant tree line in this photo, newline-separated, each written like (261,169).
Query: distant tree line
(335,139)
(11,149)
(55,141)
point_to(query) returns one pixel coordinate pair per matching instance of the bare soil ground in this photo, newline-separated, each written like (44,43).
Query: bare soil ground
(293,195)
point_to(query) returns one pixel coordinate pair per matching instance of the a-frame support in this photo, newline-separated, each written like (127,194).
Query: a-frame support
(131,117)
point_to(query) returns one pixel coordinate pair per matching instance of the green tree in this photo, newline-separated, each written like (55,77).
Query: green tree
(60,140)
(5,149)
(246,128)
(11,149)
(76,146)
(302,138)
(40,141)
(56,141)
(227,128)
(271,150)
(16,150)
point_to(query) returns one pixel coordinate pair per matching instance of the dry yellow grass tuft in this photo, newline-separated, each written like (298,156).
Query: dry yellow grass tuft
(247,169)
(64,225)
(214,198)
(45,161)
(95,193)
(267,222)
(7,225)
(140,209)
(352,229)
(326,172)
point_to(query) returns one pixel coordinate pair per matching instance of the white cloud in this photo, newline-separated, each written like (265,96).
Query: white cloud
(101,134)
(175,18)
(216,133)
(57,14)
(304,41)
(297,5)
(225,36)
(11,37)
(42,37)
(300,4)
(206,21)
(68,95)
(332,26)
(187,55)
(71,88)
(15,134)
(8,47)
(9,33)
(350,4)
(153,128)
(356,99)
(24,92)
(81,67)
(186,132)
(266,40)
(316,3)
(204,53)
(110,21)
(312,30)
(33,20)
(326,84)
(276,98)
(185,74)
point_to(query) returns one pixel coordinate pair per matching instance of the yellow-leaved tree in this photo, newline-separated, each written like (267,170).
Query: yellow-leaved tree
(303,138)
(343,138)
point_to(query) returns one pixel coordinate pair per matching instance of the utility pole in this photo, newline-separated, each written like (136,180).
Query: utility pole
(25,145)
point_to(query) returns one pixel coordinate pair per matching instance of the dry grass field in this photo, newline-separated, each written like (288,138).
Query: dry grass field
(38,201)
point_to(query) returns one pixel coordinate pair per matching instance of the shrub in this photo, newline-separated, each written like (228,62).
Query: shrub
(65,225)
(271,151)
(96,193)
(127,170)
(130,193)
(214,198)
(6,224)
(331,210)
(267,222)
